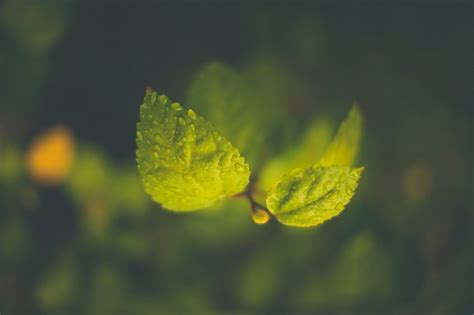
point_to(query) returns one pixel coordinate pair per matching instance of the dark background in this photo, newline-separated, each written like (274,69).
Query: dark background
(398,248)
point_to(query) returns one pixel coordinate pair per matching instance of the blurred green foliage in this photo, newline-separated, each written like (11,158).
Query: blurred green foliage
(32,30)
(36,27)
(95,244)
(239,104)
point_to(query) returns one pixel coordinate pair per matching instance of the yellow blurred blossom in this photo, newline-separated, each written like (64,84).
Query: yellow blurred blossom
(50,155)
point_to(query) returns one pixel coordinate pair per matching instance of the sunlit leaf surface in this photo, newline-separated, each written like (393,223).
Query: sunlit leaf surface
(345,145)
(308,197)
(185,164)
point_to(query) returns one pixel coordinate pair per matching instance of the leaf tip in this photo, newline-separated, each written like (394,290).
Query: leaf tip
(358,171)
(355,111)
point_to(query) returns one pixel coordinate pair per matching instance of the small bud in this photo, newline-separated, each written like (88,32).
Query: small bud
(260,216)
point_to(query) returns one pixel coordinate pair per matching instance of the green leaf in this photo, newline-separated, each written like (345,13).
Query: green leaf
(345,145)
(224,97)
(57,288)
(184,163)
(306,152)
(362,272)
(308,197)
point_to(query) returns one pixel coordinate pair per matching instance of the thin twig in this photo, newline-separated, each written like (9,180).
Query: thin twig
(248,194)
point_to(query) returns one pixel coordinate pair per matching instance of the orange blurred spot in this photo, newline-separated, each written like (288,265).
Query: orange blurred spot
(49,156)
(260,216)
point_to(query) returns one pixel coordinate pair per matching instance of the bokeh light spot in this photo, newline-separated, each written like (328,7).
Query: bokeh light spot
(50,155)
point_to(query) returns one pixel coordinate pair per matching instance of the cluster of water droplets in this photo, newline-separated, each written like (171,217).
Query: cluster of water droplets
(313,195)
(182,159)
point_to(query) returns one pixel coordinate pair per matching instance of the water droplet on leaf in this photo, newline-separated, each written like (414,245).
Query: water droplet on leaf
(163,99)
(191,114)
(239,168)
(176,106)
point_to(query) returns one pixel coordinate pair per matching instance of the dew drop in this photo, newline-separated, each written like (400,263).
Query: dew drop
(163,99)
(191,114)
(239,168)
(139,135)
(159,139)
(181,121)
(176,106)
(216,135)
